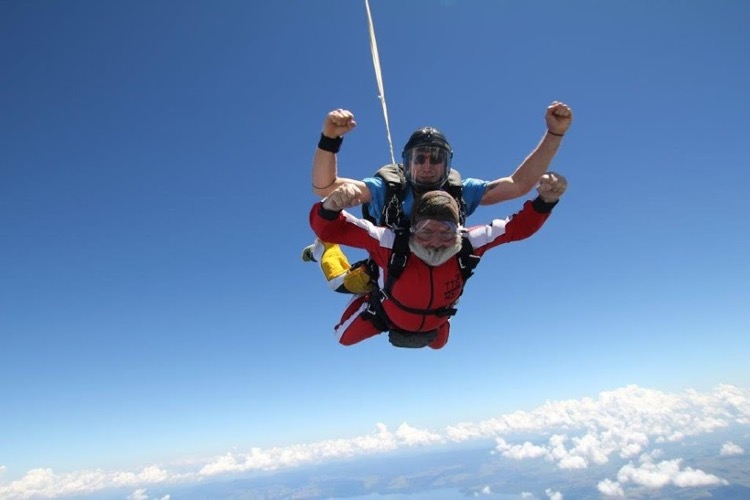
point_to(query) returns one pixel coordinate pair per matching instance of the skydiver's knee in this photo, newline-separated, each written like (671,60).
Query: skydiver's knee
(437,344)
(442,337)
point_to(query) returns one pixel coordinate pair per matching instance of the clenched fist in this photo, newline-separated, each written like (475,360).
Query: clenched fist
(551,186)
(558,117)
(338,122)
(345,196)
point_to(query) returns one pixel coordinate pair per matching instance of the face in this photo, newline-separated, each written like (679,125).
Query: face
(427,165)
(435,233)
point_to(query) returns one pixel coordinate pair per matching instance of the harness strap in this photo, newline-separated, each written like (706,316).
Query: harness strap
(375,313)
(456,190)
(399,257)
(397,337)
(467,261)
(440,311)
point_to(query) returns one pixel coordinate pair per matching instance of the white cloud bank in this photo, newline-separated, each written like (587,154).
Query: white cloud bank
(583,433)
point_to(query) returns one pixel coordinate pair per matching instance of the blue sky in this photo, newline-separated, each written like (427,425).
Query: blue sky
(154,191)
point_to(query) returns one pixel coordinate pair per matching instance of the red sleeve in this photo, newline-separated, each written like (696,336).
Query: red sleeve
(345,229)
(517,227)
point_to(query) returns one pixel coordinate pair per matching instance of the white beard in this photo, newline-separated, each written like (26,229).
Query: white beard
(434,256)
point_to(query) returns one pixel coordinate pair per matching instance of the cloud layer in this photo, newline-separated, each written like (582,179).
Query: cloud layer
(580,434)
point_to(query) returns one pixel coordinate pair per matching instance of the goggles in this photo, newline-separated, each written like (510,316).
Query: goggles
(443,230)
(434,154)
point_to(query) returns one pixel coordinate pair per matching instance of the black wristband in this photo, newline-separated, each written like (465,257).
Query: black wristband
(328,214)
(328,144)
(552,133)
(543,207)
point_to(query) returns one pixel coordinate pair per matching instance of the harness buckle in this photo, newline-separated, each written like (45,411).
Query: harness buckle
(400,263)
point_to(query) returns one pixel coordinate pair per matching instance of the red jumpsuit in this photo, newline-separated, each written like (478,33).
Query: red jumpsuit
(420,286)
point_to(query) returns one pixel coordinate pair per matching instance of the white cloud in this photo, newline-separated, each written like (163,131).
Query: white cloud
(623,422)
(573,462)
(581,434)
(411,436)
(518,452)
(46,484)
(553,495)
(729,448)
(140,494)
(610,488)
(274,458)
(657,475)
(484,491)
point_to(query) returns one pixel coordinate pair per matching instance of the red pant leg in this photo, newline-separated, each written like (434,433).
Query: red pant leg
(353,328)
(442,336)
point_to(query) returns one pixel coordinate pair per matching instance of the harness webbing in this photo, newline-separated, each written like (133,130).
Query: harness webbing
(392,213)
(467,261)
(375,313)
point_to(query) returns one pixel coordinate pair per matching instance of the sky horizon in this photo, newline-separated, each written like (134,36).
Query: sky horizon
(155,190)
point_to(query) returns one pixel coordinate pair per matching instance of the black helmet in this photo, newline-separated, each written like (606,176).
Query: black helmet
(432,143)
(427,136)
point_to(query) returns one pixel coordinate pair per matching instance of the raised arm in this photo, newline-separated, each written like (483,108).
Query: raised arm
(325,177)
(558,118)
(331,224)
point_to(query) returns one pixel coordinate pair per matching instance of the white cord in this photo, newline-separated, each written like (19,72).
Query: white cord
(379,77)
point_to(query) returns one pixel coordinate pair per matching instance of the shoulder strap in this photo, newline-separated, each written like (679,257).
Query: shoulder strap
(467,261)
(392,215)
(455,188)
(399,257)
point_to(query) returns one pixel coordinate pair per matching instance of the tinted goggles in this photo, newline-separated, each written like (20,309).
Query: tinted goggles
(434,154)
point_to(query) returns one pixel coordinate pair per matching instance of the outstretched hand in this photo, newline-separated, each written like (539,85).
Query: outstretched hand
(344,196)
(559,116)
(338,122)
(551,186)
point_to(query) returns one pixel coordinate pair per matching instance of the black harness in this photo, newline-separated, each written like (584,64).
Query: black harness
(375,312)
(392,215)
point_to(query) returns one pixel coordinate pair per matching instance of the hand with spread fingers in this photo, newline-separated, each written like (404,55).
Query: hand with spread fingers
(551,187)
(345,196)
